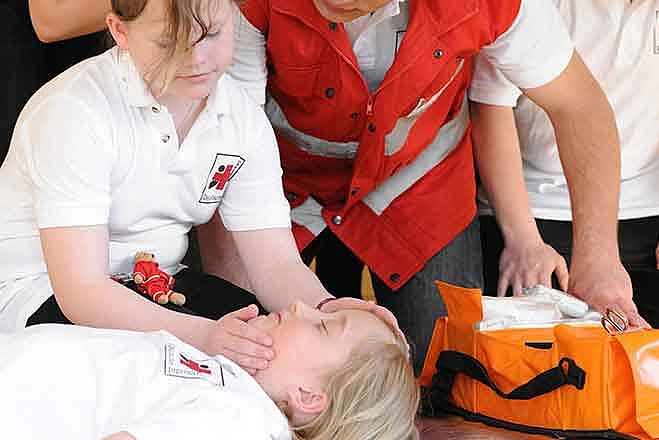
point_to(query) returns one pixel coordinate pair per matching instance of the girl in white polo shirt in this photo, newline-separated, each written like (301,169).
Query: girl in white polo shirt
(126,152)
(341,375)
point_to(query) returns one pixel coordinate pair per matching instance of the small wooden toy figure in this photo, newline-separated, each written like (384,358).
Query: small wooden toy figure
(153,282)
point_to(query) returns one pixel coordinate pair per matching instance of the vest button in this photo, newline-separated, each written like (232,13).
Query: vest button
(291,196)
(354,191)
(354,115)
(438,53)
(395,277)
(333,26)
(371,127)
(330,92)
(165,138)
(337,220)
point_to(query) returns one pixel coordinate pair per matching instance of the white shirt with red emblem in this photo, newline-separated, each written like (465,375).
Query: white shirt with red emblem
(72,382)
(93,147)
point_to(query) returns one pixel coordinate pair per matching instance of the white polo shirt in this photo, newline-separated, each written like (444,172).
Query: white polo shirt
(619,41)
(79,383)
(93,147)
(523,52)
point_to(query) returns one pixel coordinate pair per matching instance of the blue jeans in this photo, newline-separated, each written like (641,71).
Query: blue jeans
(417,304)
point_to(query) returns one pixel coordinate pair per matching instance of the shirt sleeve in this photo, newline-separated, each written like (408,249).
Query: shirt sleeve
(249,58)
(68,161)
(490,86)
(537,47)
(255,197)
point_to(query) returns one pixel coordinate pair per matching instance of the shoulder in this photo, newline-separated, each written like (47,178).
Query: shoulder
(234,100)
(89,88)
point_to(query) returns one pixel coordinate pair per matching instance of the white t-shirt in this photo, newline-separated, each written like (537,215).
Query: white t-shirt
(93,147)
(619,41)
(71,382)
(524,52)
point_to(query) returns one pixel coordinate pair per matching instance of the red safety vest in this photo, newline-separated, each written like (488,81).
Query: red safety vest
(409,188)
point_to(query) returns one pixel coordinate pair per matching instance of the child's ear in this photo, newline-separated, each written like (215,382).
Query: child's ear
(118,30)
(307,401)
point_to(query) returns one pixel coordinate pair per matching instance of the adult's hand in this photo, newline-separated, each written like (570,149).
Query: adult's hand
(248,346)
(527,264)
(604,283)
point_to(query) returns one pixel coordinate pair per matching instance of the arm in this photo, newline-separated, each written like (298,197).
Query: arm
(586,134)
(88,297)
(52,20)
(526,259)
(219,255)
(275,269)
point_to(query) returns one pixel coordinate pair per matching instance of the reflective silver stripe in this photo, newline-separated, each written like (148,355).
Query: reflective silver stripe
(447,139)
(394,141)
(308,215)
(305,142)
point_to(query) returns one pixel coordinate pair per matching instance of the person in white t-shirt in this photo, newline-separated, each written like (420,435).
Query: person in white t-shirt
(618,41)
(342,375)
(125,152)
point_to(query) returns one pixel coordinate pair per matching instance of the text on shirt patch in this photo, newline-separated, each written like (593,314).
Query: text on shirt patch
(179,364)
(224,168)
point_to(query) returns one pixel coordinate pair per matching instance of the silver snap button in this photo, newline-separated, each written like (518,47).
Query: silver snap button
(165,138)
(337,220)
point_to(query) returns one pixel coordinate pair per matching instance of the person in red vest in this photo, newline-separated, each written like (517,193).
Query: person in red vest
(368,99)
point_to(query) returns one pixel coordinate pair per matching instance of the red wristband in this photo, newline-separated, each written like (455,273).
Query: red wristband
(325,301)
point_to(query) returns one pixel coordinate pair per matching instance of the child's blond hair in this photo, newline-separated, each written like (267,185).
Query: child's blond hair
(372,396)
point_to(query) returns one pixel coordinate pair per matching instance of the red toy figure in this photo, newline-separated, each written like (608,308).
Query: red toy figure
(153,282)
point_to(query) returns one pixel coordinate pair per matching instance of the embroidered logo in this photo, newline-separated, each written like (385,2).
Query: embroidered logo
(179,364)
(224,168)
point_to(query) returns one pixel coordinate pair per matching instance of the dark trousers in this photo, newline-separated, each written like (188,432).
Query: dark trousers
(417,304)
(206,295)
(638,241)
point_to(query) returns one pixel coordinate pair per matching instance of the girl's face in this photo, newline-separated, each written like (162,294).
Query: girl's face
(203,62)
(309,345)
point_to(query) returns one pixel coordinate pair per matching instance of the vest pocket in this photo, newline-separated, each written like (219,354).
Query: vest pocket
(295,81)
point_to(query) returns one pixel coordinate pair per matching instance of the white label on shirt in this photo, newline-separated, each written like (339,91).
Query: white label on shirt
(224,167)
(179,364)
(656,33)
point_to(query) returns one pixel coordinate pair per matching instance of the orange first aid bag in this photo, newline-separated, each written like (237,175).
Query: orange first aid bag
(559,380)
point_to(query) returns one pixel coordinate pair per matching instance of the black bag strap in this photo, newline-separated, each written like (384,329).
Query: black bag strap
(452,363)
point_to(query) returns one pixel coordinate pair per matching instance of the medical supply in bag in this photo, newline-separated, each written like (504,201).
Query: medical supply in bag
(564,378)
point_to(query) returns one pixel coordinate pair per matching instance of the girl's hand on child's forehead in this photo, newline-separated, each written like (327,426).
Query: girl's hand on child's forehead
(247,345)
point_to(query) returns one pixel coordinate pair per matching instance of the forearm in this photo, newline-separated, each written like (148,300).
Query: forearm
(590,154)
(589,150)
(56,20)
(286,283)
(499,163)
(107,304)
(219,255)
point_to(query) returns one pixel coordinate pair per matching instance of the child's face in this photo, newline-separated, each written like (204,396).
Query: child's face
(203,62)
(310,344)
(347,10)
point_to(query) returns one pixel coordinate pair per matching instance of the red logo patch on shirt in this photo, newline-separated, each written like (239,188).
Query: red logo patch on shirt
(224,168)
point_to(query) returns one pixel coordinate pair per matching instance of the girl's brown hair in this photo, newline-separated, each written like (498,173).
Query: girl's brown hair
(184,19)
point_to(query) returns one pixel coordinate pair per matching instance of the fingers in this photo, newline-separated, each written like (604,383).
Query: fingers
(247,362)
(502,286)
(244,314)
(562,274)
(635,320)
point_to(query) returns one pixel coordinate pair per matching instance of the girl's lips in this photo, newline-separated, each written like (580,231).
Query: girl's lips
(195,78)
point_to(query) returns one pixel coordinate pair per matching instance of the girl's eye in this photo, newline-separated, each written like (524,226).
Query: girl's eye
(213,34)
